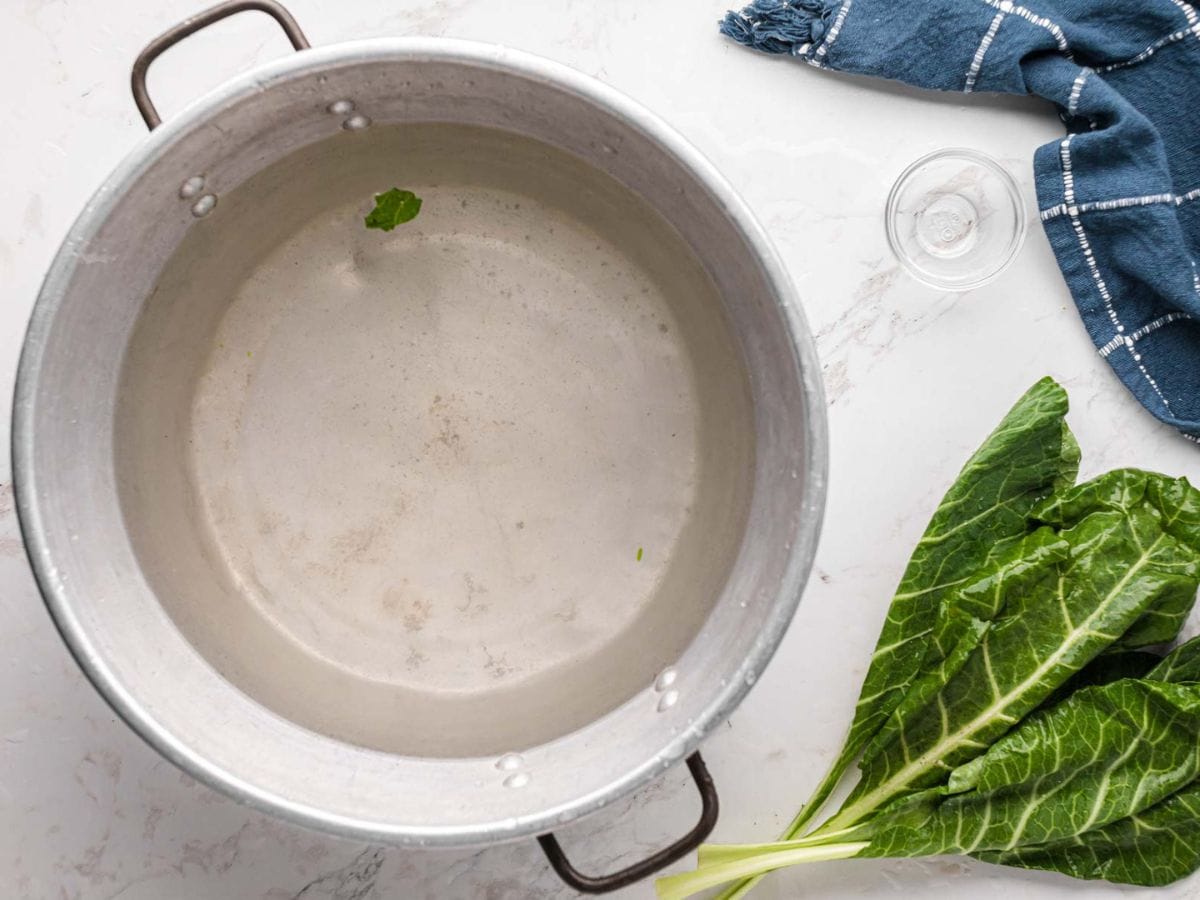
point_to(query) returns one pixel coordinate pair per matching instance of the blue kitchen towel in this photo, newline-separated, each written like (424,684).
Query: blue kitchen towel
(1119,196)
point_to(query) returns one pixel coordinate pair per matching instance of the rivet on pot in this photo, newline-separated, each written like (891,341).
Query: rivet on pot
(356,122)
(667,700)
(517,780)
(341,107)
(665,679)
(191,187)
(509,761)
(204,206)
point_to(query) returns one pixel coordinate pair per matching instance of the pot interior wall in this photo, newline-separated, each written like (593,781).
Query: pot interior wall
(451,490)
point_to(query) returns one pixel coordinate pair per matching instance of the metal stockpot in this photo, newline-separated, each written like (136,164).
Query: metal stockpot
(204,430)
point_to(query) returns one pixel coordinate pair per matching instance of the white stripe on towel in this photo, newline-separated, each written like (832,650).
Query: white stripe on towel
(1007,6)
(1152,49)
(1119,203)
(981,51)
(834,31)
(1076,90)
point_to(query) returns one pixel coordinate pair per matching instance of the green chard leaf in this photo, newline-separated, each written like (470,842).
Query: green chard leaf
(1029,454)
(1178,505)
(1103,754)
(1152,848)
(1122,564)
(1019,465)
(392,208)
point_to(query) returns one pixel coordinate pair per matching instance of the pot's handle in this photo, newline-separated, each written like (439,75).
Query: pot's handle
(190,26)
(602,884)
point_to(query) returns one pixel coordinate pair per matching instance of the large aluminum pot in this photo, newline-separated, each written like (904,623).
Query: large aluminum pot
(443,536)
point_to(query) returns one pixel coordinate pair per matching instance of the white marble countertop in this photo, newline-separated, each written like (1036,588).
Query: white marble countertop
(915,379)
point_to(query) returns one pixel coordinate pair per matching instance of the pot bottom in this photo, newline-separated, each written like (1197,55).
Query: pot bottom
(451,490)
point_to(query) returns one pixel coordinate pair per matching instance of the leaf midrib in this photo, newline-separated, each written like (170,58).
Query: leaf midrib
(932,540)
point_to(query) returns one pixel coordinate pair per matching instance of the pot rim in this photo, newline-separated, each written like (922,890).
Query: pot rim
(312,61)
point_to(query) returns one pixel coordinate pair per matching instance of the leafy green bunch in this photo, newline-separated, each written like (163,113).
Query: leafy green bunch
(1011,712)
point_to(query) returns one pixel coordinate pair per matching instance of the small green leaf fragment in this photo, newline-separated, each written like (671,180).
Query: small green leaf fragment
(639,554)
(392,208)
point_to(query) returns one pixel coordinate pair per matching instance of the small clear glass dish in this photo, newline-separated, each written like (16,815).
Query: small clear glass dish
(955,219)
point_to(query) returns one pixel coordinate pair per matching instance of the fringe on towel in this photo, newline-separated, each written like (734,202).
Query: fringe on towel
(780,26)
